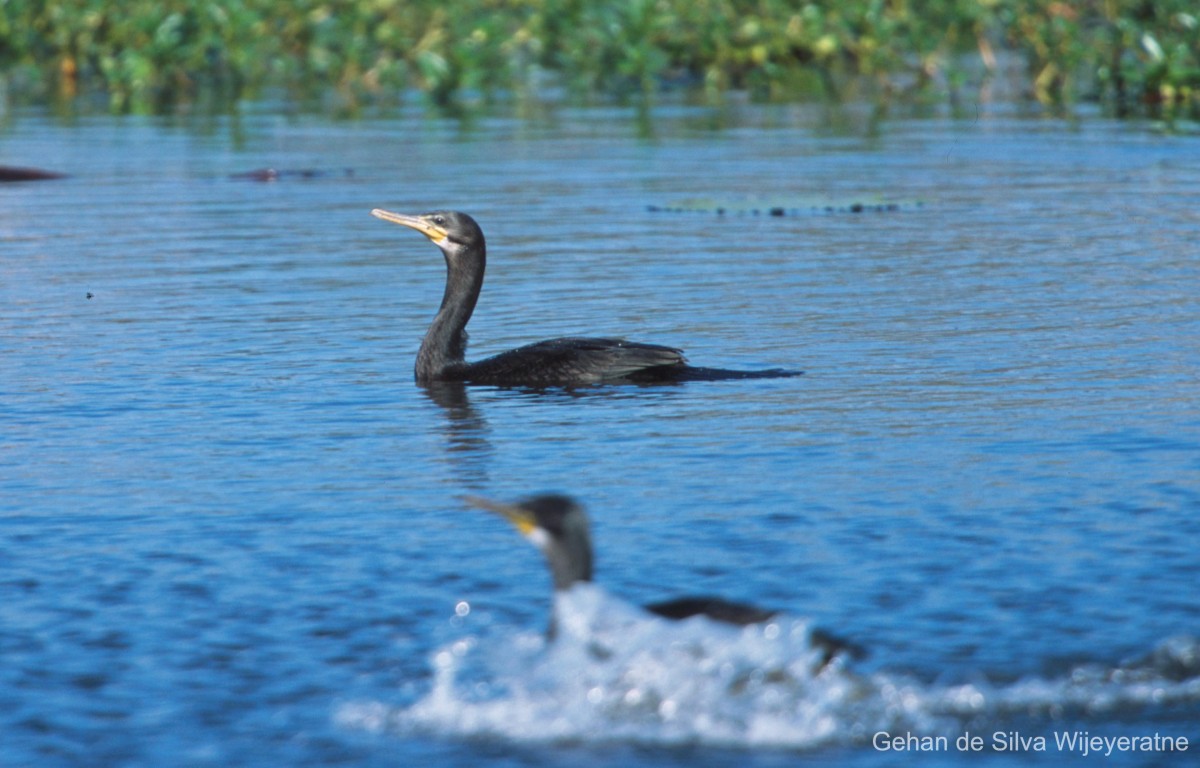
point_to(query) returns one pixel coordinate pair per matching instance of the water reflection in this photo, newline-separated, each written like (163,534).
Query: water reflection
(465,430)
(467,433)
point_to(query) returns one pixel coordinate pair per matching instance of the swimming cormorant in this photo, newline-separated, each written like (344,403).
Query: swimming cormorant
(557,362)
(558,526)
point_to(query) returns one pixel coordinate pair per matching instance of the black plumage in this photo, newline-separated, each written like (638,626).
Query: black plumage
(564,361)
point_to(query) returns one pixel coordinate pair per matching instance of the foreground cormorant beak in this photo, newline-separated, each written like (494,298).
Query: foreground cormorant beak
(521,518)
(420,223)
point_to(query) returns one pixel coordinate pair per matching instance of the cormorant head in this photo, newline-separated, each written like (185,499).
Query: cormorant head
(557,526)
(452,231)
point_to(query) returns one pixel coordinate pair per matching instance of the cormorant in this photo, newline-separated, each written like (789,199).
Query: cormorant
(557,362)
(558,526)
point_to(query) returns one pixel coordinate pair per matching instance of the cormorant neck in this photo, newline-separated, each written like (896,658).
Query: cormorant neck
(565,580)
(570,559)
(445,345)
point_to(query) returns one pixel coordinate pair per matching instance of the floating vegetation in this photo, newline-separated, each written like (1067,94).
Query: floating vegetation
(148,55)
(780,207)
(291,174)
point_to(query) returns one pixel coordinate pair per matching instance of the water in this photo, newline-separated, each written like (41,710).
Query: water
(229,521)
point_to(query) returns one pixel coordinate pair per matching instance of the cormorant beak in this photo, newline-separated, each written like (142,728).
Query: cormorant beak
(419,223)
(520,517)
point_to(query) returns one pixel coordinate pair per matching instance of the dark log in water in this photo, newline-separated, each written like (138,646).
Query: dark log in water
(13,173)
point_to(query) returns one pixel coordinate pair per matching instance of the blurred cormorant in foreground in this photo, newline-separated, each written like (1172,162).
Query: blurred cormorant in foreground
(558,526)
(557,362)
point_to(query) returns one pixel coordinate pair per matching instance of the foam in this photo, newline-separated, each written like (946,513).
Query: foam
(616,674)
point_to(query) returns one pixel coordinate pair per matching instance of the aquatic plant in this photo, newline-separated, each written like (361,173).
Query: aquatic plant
(150,55)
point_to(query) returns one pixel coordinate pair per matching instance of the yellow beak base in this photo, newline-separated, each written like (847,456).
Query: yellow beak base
(418,223)
(521,519)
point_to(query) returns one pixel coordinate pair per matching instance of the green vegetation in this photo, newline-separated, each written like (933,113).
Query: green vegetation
(152,55)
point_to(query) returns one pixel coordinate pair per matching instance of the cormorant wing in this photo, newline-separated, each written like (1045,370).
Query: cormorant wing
(712,607)
(573,360)
(740,614)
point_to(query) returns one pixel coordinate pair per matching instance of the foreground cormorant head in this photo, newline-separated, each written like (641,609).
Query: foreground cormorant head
(557,526)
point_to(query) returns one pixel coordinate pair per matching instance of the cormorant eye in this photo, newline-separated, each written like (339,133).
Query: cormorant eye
(439,220)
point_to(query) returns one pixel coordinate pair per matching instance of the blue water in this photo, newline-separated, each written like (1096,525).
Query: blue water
(230,526)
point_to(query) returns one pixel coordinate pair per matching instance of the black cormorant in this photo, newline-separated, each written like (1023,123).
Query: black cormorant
(556,362)
(558,526)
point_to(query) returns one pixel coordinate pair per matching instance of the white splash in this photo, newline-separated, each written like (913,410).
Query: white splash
(615,674)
